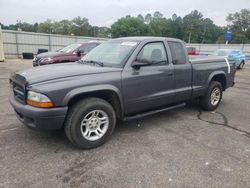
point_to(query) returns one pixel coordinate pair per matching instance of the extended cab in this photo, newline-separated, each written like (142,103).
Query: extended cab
(121,79)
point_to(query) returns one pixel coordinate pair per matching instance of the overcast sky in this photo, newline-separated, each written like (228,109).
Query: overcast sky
(105,12)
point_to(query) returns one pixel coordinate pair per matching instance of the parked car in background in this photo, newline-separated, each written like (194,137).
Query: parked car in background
(235,55)
(70,53)
(192,51)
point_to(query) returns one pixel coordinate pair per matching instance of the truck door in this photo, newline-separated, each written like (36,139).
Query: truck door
(182,71)
(148,87)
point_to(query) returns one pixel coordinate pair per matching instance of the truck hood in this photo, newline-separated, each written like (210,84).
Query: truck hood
(58,71)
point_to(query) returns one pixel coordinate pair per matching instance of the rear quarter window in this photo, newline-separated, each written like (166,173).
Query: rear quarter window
(177,52)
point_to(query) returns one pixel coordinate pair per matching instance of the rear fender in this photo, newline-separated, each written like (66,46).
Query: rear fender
(213,74)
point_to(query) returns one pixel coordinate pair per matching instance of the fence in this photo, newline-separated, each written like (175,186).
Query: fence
(210,48)
(17,42)
(1,46)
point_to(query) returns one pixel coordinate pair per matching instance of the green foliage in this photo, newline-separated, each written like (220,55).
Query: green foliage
(148,18)
(78,26)
(81,26)
(129,26)
(239,23)
(240,20)
(193,27)
(198,29)
(159,27)
(140,17)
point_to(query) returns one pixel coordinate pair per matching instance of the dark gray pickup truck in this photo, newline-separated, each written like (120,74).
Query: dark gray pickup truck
(121,79)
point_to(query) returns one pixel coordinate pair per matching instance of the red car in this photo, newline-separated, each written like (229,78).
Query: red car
(192,51)
(70,53)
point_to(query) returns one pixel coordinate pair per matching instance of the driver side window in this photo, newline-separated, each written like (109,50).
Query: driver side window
(154,53)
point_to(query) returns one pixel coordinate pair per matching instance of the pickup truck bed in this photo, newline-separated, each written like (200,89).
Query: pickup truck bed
(202,69)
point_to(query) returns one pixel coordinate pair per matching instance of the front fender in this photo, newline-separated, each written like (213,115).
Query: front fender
(88,89)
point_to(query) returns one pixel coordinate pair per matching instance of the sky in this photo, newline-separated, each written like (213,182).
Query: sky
(105,12)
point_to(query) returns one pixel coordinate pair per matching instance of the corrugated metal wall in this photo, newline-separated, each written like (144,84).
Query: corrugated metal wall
(1,46)
(210,48)
(17,42)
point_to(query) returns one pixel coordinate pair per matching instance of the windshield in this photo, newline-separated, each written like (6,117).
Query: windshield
(70,48)
(111,53)
(222,53)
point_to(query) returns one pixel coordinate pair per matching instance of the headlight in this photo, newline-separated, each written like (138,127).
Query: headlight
(38,100)
(46,59)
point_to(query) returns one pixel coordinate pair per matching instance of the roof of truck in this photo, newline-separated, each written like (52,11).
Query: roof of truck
(145,38)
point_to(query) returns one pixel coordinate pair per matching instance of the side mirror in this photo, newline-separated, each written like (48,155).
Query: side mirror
(141,63)
(79,53)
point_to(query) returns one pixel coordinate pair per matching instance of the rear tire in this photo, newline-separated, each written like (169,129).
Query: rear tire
(90,122)
(213,96)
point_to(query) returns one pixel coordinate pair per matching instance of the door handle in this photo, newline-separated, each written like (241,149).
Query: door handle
(170,74)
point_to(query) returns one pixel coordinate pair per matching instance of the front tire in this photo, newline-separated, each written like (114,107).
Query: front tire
(213,97)
(90,122)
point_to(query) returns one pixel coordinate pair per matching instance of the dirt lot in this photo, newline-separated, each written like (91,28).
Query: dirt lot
(185,147)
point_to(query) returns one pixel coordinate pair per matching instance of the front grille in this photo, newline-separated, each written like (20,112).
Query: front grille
(36,61)
(19,92)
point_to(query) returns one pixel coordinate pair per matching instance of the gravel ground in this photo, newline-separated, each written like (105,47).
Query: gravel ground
(185,147)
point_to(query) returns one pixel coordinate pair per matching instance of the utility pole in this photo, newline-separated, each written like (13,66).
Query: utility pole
(19,25)
(189,38)
(204,34)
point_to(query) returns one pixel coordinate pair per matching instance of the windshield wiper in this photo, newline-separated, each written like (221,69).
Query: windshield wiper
(95,62)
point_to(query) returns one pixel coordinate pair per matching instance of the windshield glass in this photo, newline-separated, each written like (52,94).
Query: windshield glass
(70,48)
(222,53)
(111,53)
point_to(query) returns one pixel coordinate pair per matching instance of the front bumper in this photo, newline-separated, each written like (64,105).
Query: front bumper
(35,63)
(38,118)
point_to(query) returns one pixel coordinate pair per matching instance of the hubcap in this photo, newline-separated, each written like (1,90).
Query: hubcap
(215,96)
(94,125)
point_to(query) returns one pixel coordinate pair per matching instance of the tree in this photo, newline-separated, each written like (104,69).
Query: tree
(81,26)
(103,32)
(211,32)
(193,27)
(45,27)
(62,27)
(140,17)
(239,22)
(157,14)
(198,29)
(148,18)
(159,27)
(176,27)
(128,26)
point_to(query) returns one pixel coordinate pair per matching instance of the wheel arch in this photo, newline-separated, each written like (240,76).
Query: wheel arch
(109,93)
(219,76)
